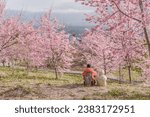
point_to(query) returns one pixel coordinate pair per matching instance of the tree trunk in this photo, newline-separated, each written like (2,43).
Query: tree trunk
(144,26)
(104,60)
(129,67)
(147,39)
(3,62)
(27,68)
(56,73)
(129,71)
(120,76)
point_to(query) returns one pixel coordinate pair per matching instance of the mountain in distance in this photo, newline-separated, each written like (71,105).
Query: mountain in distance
(74,22)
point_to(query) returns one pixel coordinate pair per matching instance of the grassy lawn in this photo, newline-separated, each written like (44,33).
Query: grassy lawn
(21,77)
(18,84)
(135,75)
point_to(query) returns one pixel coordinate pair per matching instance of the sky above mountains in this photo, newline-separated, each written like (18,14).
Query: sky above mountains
(68,12)
(64,6)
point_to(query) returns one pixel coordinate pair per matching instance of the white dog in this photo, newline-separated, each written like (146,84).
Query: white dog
(101,78)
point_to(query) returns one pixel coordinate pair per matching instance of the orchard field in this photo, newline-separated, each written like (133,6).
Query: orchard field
(35,60)
(43,85)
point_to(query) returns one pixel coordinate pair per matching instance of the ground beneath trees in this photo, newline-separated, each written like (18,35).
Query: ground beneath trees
(75,92)
(42,85)
(40,91)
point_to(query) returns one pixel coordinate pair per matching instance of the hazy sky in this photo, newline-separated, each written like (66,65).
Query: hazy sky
(68,12)
(45,5)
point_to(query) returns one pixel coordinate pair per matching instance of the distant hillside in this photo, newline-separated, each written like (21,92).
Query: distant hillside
(75,22)
(78,30)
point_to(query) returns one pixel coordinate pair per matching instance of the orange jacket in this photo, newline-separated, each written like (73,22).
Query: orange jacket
(89,70)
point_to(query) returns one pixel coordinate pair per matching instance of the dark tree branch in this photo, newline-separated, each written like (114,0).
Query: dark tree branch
(125,13)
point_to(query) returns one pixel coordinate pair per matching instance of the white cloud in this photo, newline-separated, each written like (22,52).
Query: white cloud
(45,5)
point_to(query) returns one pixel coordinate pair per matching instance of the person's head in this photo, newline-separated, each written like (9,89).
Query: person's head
(88,66)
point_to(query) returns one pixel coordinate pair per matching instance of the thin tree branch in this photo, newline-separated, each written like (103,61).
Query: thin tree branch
(125,13)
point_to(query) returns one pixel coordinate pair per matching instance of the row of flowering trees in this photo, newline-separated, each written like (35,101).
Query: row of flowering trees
(120,38)
(46,45)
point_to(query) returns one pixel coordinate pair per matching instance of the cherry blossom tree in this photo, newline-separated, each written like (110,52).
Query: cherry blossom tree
(27,46)
(113,50)
(97,50)
(9,33)
(34,46)
(108,12)
(128,51)
(57,48)
(125,24)
(19,41)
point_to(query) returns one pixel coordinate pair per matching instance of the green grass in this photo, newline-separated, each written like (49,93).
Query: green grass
(134,74)
(21,77)
(124,91)
(24,85)
(118,94)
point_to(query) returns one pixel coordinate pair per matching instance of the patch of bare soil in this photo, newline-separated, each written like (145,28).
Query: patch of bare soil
(41,91)
(146,84)
(74,92)
(3,75)
(17,92)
